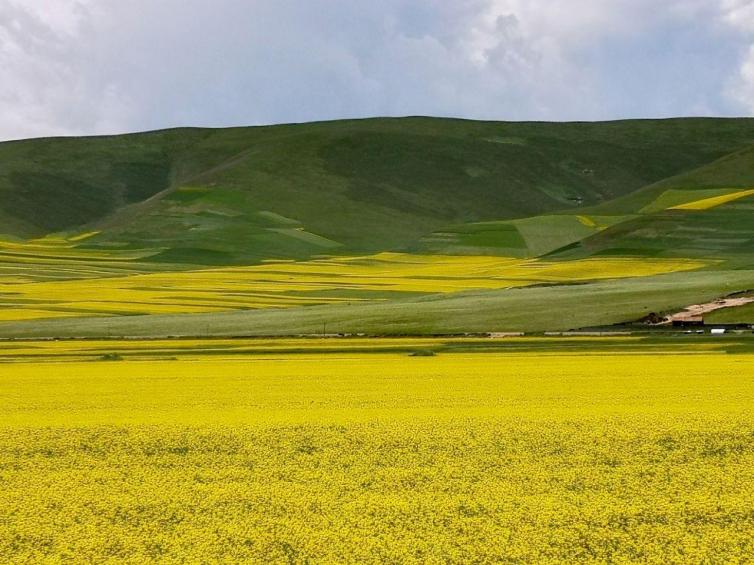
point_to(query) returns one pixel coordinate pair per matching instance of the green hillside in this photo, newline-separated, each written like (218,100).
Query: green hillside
(497,227)
(242,195)
(706,212)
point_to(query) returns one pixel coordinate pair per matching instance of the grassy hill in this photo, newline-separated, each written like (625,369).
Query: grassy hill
(242,195)
(704,212)
(501,226)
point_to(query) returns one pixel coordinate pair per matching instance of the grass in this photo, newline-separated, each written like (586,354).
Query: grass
(56,258)
(361,184)
(553,307)
(379,457)
(527,237)
(702,213)
(738,315)
(721,232)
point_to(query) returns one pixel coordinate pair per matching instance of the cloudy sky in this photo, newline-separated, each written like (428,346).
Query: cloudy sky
(70,67)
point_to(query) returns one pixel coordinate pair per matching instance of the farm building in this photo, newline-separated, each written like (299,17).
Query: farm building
(690,322)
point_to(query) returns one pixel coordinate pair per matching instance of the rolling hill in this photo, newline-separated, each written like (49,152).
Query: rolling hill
(246,194)
(191,223)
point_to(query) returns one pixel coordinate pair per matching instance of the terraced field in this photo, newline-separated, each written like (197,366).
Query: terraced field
(617,454)
(61,257)
(279,284)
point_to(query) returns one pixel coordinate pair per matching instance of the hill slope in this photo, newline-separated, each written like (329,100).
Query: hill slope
(707,212)
(246,194)
(500,226)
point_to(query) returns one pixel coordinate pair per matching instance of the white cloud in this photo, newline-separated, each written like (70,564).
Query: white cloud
(739,16)
(93,66)
(742,87)
(44,88)
(739,13)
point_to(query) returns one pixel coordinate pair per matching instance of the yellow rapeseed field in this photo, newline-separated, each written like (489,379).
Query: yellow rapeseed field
(370,458)
(288,284)
(708,203)
(55,258)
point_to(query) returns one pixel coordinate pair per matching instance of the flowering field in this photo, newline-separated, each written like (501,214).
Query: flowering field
(714,201)
(373,457)
(77,283)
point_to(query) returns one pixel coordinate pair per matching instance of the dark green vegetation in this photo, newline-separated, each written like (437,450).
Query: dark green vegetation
(245,194)
(640,223)
(724,232)
(202,197)
(124,351)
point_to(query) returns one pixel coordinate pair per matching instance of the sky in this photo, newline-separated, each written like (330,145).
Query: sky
(76,67)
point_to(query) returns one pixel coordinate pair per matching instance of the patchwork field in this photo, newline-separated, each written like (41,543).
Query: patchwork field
(527,237)
(615,451)
(56,258)
(180,231)
(278,284)
(714,201)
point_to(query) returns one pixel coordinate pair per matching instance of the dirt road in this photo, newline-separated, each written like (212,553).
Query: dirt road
(698,310)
